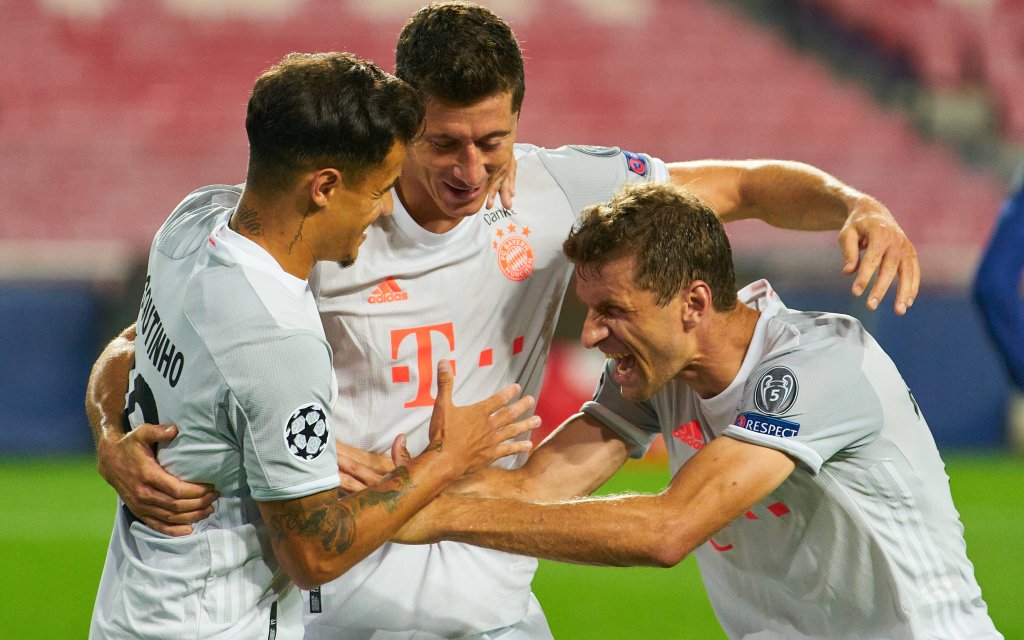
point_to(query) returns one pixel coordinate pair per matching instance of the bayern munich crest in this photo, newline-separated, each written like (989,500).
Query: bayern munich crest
(515,255)
(776,391)
(306,433)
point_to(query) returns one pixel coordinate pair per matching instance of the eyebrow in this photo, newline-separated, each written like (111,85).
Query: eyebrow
(501,133)
(387,188)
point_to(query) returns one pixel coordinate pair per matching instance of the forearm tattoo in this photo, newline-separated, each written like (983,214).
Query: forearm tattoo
(332,519)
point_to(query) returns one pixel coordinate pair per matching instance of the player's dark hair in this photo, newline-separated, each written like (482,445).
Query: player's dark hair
(674,238)
(311,111)
(460,53)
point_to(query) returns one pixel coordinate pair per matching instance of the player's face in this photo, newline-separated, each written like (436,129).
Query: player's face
(646,341)
(356,208)
(451,167)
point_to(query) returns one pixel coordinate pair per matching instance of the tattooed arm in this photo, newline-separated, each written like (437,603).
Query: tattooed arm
(319,537)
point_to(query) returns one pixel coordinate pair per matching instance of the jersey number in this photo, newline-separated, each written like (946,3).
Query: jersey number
(141,396)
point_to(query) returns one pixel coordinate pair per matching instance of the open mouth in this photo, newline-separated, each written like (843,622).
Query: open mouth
(624,366)
(463,193)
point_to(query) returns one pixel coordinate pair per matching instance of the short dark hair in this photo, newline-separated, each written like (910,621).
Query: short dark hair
(674,238)
(460,53)
(325,110)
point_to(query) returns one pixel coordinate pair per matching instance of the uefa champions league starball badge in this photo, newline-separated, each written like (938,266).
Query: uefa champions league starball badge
(306,433)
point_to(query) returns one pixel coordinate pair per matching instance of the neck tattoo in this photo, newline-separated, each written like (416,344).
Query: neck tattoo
(248,218)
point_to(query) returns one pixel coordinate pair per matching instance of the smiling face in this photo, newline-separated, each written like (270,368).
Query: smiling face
(354,208)
(647,342)
(454,163)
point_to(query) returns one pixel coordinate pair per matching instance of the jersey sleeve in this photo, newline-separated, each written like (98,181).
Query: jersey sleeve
(281,394)
(635,422)
(810,403)
(589,175)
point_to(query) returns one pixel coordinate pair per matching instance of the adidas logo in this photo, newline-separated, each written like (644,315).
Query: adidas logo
(388,291)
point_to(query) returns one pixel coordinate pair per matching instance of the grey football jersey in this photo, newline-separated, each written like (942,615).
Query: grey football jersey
(486,296)
(231,350)
(862,540)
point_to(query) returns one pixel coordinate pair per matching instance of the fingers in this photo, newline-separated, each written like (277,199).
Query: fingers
(508,185)
(849,244)
(167,529)
(509,413)
(445,382)
(910,279)
(376,462)
(350,484)
(500,399)
(516,429)
(399,451)
(151,434)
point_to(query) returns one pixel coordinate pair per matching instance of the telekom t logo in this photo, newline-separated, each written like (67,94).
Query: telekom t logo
(425,362)
(424,359)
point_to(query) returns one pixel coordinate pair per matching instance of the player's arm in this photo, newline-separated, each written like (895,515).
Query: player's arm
(715,487)
(127,461)
(319,537)
(573,461)
(997,284)
(794,195)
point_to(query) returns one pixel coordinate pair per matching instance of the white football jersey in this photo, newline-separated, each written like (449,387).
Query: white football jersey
(230,349)
(485,295)
(862,540)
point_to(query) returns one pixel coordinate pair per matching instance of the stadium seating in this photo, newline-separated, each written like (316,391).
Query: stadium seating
(109,118)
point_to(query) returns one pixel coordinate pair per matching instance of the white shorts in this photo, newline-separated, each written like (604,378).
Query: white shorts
(533,626)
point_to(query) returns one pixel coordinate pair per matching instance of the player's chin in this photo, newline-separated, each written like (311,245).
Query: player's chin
(348,260)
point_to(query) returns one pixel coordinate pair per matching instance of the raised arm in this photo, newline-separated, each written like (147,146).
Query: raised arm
(711,490)
(794,195)
(127,461)
(319,537)
(572,462)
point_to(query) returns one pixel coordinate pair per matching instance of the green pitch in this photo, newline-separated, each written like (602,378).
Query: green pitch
(57,516)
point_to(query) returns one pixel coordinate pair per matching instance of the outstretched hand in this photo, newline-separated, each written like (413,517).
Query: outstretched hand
(160,500)
(479,433)
(871,229)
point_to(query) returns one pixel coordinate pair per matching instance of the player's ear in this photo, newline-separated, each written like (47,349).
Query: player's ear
(696,298)
(323,183)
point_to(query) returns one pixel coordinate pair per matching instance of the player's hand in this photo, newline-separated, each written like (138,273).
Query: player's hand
(872,242)
(504,185)
(478,434)
(157,498)
(360,469)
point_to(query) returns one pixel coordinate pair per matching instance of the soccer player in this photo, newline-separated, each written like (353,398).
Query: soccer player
(230,348)
(447,278)
(805,478)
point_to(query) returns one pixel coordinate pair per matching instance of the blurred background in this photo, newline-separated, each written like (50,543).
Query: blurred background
(112,110)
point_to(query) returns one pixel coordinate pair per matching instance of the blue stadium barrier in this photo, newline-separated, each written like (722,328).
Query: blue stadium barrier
(48,341)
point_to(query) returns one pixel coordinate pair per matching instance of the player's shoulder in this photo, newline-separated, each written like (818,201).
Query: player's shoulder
(815,342)
(194,218)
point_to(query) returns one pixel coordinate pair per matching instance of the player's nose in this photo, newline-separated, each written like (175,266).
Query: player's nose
(470,168)
(594,330)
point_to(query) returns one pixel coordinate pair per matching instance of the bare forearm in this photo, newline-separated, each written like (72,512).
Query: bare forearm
(317,539)
(616,531)
(104,396)
(572,462)
(785,194)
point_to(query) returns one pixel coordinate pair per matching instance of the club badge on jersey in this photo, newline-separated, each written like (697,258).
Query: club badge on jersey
(511,243)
